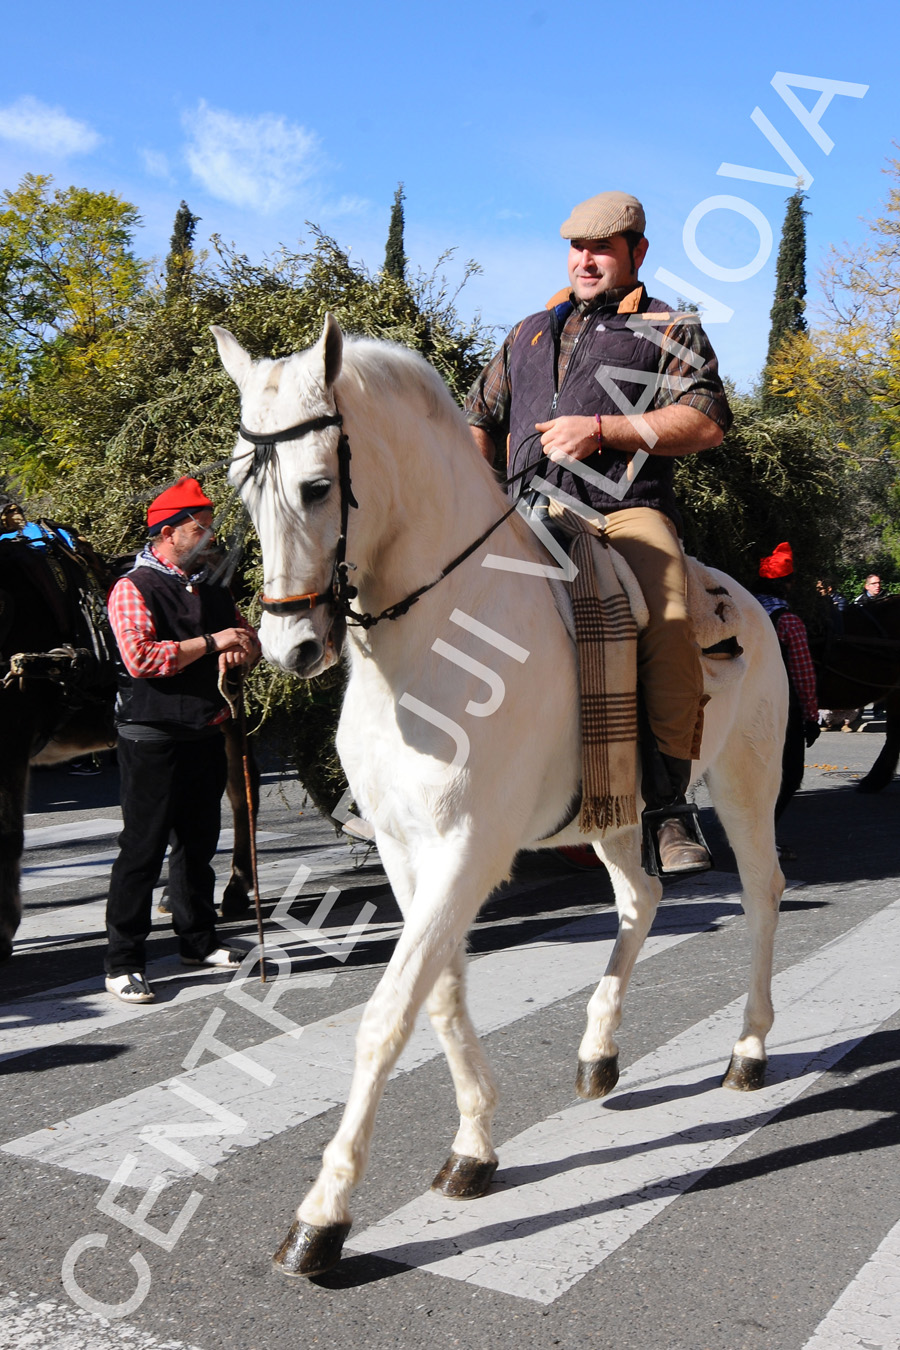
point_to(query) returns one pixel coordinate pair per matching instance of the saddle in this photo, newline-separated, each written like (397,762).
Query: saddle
(715,616)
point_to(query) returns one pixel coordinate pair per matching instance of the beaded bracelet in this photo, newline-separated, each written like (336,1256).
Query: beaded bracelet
(599,432)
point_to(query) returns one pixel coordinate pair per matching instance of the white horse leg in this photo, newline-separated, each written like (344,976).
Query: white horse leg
(744,788)
(446,901)
(637,898)
(472,1163)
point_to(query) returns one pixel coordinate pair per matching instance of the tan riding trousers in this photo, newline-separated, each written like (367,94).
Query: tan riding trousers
(668,656)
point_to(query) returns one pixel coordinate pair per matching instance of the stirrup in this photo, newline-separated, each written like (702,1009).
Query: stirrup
(651,819)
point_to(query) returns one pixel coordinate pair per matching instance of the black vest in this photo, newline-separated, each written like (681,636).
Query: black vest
(190,699)
(605,344)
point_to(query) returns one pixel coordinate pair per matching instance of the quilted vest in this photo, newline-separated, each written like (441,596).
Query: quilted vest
(607,346)
(190,699)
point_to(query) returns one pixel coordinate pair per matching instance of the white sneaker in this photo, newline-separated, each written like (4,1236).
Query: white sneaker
(130,988)
(225,958)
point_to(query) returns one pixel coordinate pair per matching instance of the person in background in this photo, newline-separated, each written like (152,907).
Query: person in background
(871,590)
(776,578)
(176,632)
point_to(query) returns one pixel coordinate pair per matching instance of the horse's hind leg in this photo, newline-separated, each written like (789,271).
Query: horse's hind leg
(472,1163)
(743,786)
(236,897)
(637,897)
(883,770)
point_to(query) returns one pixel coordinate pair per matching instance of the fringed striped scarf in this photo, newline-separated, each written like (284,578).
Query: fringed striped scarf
(606,635)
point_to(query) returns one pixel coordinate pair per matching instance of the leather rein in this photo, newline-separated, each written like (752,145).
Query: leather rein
(341,592)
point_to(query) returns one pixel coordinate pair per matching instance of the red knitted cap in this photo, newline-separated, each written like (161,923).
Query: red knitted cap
(176,504)
(778,564)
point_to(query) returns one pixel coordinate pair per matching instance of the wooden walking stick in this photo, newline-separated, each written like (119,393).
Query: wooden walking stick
(234,697)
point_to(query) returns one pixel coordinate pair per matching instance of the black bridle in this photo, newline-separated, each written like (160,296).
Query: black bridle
(265,444)
(341,592)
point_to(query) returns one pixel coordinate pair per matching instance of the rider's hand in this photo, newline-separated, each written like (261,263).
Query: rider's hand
(568,438)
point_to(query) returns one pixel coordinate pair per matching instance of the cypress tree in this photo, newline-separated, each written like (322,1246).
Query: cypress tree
(181,250)
(787,313)
(394,257)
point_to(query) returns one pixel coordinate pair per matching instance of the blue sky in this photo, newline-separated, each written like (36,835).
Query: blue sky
(496,116)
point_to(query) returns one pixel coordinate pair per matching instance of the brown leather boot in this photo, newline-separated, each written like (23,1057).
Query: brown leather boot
(672,844)
(678,852)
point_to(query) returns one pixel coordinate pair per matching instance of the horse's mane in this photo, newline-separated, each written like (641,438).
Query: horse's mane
(393,371)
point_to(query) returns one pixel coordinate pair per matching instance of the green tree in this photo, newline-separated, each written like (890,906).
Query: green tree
(394,256)
(772,478)
(845,378)
(168,408)
(180,259)
(787,316)
(69,283)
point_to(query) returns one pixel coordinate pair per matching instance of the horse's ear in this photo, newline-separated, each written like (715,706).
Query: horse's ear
(235,360)
(331,347)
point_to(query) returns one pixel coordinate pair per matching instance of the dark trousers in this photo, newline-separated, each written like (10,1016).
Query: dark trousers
(793,757)
(167,787)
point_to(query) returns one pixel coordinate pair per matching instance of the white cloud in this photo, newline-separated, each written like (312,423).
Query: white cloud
(156,164)
(33,124)
(258,162)
(348,206)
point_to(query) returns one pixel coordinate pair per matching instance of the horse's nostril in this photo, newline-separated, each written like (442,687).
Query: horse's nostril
(307,654)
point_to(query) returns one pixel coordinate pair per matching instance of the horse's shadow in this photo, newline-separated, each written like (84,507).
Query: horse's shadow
(876,1092)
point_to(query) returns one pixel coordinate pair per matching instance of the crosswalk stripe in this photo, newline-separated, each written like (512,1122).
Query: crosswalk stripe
(32,1321)
(43,836)
(311,1074)
(579,1184)
(38,876)
(867,1314)
(68,1012)
(43,924)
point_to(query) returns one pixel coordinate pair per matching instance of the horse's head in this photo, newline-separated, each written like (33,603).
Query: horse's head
(290,486)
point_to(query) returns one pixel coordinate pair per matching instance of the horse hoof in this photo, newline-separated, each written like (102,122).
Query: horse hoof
(463,1178)
(870,788)
(597,1077)
(235,901)
(745,1075)
(309,1249)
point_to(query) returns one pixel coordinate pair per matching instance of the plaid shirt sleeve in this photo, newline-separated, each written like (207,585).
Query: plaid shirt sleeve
(135,633)
(792,636)
(689,374)
(487,402)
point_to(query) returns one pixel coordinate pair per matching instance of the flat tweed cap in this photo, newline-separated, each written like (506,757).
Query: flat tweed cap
(599,217)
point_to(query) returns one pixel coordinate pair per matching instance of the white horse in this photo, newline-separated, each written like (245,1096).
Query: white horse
(459,732)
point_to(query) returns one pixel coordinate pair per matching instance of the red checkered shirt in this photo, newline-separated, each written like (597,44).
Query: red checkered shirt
(143,655)
(792,636)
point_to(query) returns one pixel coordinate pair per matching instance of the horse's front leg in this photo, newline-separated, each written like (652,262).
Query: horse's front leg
(443,907)
(637,897)
(13,780)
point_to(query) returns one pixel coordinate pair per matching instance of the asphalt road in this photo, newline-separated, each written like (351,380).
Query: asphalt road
(673,1215)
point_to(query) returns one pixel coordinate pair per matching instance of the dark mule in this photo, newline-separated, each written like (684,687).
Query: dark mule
(862,665)
(61,705)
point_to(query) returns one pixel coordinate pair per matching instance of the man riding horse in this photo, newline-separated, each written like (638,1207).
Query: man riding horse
(573,376)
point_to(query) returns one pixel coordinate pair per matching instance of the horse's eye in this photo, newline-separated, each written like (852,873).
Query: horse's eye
(316,491)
